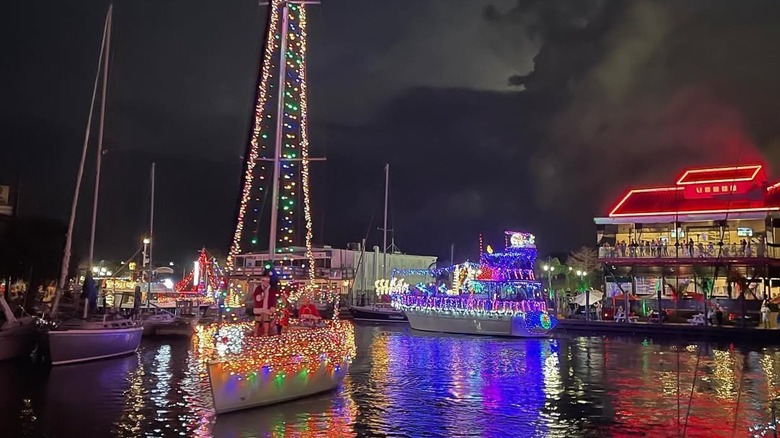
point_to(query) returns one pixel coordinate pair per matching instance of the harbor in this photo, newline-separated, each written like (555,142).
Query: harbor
(223,257)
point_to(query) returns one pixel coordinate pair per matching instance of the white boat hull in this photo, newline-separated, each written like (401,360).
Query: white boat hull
(17,338)
(232,393)
(497,325)
(74,346)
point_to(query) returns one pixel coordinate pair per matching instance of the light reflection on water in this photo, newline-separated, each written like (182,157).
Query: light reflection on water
(406,383)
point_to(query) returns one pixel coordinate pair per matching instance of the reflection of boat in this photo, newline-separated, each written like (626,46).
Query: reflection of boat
(497,296)
(17,335)
(81,341)
(333,419)
(247,371)
(378,312)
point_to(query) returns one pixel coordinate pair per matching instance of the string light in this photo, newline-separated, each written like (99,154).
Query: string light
(275,357)
(501,285)
(260,117)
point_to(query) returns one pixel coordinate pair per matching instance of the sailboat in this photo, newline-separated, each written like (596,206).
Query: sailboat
(246,370)
(17,335)
(379,311)
(82,339)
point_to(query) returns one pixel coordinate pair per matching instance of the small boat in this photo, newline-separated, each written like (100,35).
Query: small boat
(247,371)
(380,312)
(498,296)
(77,340)
(17,335)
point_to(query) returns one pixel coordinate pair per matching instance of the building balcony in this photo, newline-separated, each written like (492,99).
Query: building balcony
(703,253)
(300,273)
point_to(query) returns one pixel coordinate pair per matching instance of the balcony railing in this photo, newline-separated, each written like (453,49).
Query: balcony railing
(684,251)
(300,273)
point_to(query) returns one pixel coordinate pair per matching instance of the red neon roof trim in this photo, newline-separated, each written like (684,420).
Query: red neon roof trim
(634,191)
(719,174)
(665,201)
(772,187)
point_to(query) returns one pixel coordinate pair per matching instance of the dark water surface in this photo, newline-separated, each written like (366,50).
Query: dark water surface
(407,383)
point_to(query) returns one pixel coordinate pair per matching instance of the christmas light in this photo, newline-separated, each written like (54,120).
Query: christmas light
(254,148)
(275,357)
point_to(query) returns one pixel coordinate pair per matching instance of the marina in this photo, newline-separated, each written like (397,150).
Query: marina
(472,386)
(213,257)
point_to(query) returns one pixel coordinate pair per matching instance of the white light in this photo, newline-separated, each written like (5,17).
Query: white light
(170,263)
(168,283)
(546,268)
(579,272)
(196,273)
(146,240)
(109,273)
(95,269)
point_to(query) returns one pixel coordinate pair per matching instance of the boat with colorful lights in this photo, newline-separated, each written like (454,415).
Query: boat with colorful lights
(273,358)
(248,371)
(498,296)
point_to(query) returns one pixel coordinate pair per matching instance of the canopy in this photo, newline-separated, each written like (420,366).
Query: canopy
(595,296)
(632,297)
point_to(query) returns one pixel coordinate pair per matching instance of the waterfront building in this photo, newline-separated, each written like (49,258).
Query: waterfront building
(343,270)
(713,234)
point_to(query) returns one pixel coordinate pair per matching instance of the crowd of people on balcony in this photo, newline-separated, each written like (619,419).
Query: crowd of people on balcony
(659,248)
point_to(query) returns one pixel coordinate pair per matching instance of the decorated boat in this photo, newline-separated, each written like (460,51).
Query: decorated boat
(248,371)
(497,296)
(248,363)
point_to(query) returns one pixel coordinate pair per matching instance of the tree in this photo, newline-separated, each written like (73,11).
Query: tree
(585,259)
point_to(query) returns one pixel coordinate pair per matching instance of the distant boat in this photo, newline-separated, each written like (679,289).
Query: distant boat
(17,335)
(81,340)
(379,312)
(498,296)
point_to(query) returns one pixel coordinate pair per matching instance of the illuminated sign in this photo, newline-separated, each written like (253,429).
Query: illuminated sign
(745,232)
(388,287)
(518,239)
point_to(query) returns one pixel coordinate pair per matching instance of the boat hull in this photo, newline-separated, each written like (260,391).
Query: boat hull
(370,314)
(17,339)
(232,393)
(497,325)
(74,346)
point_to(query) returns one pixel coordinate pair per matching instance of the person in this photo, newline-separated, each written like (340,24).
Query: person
(308,312)
(265,297)
(598,310)
(136,299)
(765,313)
(718,313)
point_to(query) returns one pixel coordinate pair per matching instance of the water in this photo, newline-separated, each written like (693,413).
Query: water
(406,383)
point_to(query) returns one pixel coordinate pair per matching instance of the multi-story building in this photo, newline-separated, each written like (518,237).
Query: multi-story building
(714,233)
(345,270)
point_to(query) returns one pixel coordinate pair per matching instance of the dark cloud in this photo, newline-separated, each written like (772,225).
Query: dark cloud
(646,88)
(529,114)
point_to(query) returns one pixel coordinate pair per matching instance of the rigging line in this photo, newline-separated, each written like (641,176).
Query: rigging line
(127,264)
(693,386)
(678,387)
(739,396)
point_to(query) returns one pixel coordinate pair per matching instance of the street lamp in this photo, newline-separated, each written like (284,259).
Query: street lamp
(170,263)
(146,242)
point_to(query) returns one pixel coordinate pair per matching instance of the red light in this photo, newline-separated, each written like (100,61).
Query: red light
(735,169)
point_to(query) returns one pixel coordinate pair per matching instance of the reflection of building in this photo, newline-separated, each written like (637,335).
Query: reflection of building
(714,233)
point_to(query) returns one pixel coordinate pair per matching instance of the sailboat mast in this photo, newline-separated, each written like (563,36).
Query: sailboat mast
(384,228)
(151,241)
(80,175)
(100,138)
(278,142)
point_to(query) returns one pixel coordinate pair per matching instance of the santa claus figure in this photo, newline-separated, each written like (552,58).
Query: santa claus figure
(265,297)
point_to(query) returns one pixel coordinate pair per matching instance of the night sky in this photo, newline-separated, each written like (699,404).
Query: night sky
(532,115)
